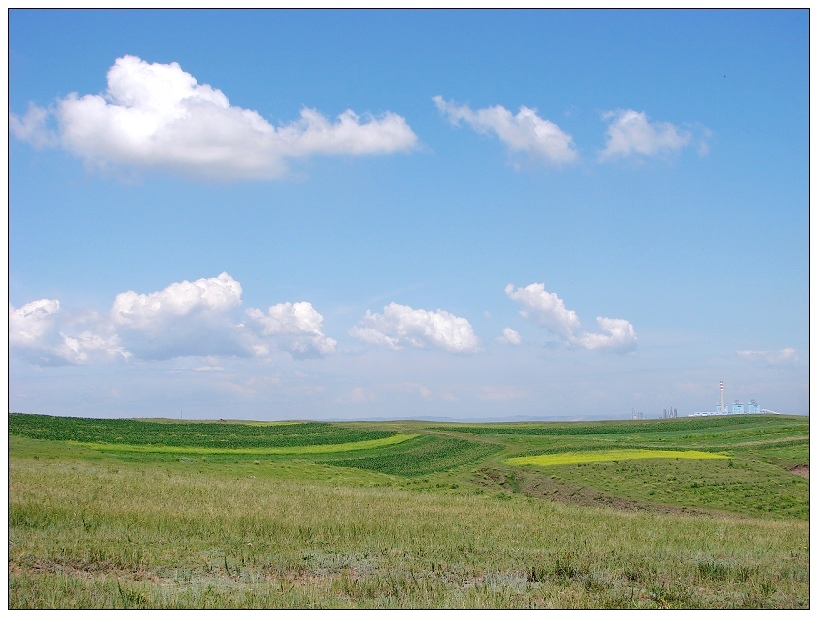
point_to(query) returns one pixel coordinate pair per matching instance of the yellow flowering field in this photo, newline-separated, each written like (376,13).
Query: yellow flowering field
(557,459)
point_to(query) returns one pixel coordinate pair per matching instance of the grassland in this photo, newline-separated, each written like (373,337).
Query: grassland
(127,513)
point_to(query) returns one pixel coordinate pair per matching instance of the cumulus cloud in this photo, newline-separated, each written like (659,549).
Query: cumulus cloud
(89,347)
(187,318)
(548,310)
(32,127)
(399,326)
(196,318)
(630,133)
(510,336)
(296,326)
(32,323)
(524,132)
(545,308)
(157,116)
(787,356)
(617,335)
(37,331)
(150,311)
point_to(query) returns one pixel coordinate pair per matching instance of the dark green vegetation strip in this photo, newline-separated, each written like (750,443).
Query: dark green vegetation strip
(213,435)
(424,455)
(753,423)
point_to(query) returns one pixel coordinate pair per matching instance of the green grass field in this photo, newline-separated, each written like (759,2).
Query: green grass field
(680,513)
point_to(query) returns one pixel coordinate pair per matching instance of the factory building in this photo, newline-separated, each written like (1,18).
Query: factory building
(737,408)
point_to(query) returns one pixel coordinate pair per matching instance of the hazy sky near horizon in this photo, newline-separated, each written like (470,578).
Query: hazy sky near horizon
(394,214)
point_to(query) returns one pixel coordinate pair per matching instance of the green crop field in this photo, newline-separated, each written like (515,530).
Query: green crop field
(678,513)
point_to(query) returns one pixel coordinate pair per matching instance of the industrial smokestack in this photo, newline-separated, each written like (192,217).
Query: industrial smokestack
(721,389)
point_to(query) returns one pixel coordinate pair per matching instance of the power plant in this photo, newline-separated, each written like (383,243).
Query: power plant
(737,408)
(722,409)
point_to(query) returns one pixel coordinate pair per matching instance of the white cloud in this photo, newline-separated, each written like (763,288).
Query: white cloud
(617,335)
(196,319)
(510,336)
(32,323)
(32,127)
(87,347)
(703,145)
(545,308)
(787,356)
(296,326)
(548,310)
(185,319)
(524,132)
(631,133)
(156,116)
(36,332)
(151,311)
(400,325)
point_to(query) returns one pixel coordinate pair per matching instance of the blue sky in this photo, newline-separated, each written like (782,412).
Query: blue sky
(389,214)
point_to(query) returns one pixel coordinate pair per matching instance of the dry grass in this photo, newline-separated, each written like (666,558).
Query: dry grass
(108,533)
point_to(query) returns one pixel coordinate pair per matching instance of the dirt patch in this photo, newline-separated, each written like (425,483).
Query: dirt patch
(801,470)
